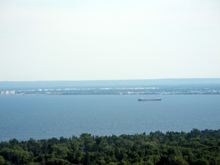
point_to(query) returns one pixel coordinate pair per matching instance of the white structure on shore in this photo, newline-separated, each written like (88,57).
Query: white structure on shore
(12,92)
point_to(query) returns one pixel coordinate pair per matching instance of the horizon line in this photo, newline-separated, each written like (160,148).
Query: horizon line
(107,80)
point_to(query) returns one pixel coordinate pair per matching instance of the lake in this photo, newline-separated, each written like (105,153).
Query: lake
(43,117)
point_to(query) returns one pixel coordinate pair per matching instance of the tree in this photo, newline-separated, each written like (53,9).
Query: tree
(2,160)
(178,160)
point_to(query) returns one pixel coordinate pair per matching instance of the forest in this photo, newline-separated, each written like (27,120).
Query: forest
(157,148)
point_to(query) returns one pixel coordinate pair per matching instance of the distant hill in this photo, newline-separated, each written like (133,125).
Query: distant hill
(108,83)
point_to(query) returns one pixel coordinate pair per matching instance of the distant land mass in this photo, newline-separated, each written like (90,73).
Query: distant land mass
(108,83)
(118,87)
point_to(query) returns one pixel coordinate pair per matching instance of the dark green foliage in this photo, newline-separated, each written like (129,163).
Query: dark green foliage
(57,162)
(172,148)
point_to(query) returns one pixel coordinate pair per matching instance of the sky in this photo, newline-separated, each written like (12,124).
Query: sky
(46,40)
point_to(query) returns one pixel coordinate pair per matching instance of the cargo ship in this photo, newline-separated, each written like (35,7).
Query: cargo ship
(152,99)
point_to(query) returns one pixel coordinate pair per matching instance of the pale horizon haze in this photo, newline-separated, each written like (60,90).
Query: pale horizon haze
(46,40)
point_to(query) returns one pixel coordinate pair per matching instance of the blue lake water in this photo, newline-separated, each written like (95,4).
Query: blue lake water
(43,117)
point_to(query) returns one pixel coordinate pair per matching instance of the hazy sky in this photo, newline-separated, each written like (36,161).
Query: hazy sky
(109,39)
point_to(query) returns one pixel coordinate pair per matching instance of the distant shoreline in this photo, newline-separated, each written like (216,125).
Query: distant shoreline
(101,94)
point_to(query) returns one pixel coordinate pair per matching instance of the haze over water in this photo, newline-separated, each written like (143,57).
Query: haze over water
(42,117)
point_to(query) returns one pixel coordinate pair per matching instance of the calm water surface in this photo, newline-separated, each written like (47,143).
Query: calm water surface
(42,117)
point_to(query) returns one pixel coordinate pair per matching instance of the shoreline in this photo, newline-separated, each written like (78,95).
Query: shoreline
(101,94)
